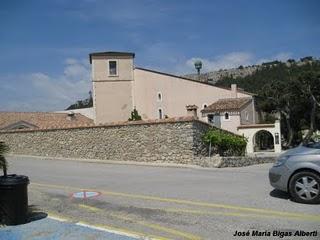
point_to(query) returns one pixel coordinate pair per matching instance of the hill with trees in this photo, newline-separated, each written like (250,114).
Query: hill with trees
(86,103)
(291,89)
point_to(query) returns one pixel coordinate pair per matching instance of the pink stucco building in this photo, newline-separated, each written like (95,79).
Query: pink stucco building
(119,87)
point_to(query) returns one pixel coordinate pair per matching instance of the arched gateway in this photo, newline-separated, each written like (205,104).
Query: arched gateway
(250,132)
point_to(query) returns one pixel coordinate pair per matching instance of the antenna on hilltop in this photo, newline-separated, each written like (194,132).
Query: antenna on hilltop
(198,66)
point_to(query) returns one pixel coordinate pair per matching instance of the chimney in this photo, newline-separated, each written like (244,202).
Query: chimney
(71,116)
(234,90)
(192,111)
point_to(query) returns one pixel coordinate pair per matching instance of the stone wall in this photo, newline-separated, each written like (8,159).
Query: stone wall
(169,140)
(240,161)
(159,141)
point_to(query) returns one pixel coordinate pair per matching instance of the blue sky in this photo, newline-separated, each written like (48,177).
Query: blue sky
(45,43)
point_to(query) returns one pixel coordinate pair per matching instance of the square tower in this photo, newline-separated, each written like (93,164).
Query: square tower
(112,78)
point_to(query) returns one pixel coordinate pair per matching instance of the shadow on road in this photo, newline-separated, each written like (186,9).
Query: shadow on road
(279,194)
(34,214)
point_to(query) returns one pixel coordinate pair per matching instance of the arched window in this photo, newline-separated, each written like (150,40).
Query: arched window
(226,116)
(159,96)
(160,113)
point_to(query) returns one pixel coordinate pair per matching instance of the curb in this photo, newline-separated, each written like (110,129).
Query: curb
(99,161)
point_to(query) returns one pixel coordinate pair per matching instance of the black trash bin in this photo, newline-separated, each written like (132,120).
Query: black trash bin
(13,199)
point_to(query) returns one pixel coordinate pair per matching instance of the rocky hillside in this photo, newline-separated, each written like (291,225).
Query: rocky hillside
(213,77)
(242,71)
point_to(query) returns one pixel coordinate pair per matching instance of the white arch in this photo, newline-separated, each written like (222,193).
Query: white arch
(249,131)
(254,137)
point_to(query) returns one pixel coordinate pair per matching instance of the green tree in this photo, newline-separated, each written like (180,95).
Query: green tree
(224,143)
(291,91)
(86,103)
(278,97)
(308,84)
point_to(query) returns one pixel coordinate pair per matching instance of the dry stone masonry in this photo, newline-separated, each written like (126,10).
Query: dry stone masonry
(158,141)
(176,141)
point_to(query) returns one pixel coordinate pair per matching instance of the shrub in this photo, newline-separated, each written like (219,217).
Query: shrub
(224,143)
(135,116)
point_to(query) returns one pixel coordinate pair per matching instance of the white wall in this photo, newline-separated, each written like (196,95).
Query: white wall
(112,95)
(176,94)
(232,123)
(88,112)
(250,132)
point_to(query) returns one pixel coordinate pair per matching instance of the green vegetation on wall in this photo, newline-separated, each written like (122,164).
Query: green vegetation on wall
(224,143)
(135,116)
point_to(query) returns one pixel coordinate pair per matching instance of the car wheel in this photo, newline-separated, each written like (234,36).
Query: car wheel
(304,187)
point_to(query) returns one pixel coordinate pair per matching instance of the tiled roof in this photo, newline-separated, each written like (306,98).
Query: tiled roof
(227,104)
(111,54)
(112,124)
(42,120)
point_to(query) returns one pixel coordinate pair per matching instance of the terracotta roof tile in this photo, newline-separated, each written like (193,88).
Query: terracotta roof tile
(226,104)
(43,120)
(111,124)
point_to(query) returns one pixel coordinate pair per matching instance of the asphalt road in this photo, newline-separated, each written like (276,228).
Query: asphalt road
(168,203)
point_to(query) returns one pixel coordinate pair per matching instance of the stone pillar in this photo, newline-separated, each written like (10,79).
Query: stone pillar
(192,111)
(277,137)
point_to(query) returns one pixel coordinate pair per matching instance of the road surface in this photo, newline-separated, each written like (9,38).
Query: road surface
(168,202)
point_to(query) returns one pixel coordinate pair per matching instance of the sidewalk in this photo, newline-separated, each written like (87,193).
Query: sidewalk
(53,229)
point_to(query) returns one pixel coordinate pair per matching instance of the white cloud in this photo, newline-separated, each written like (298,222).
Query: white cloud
(76,69)
(230,60)
(71,61)
(282,56)
(73,85)
(128,12)
(40,91)
(43,92)
(226,61)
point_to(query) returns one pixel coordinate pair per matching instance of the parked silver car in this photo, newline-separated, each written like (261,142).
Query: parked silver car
(297,171)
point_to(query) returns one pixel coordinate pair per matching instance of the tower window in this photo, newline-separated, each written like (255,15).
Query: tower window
(113,68)
(159,97)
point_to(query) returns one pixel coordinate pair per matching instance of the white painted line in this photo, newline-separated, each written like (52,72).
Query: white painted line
(104,229)
(109,230)
(57,218)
